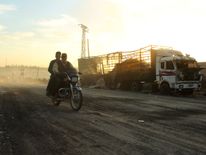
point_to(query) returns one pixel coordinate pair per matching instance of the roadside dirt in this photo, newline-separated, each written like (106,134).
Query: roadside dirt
(110,122)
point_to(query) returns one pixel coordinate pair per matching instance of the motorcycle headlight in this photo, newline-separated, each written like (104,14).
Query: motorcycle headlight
(74,79)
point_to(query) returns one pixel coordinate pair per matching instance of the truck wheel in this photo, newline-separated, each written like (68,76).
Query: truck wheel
(134,86)
(125,85)
(154,87)
(165,88)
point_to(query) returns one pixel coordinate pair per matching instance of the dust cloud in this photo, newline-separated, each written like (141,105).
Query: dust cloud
(23,76)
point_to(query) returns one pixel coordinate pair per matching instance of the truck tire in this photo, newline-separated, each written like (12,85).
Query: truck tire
(155,87)
(165,88)
(134,86)
(124,85)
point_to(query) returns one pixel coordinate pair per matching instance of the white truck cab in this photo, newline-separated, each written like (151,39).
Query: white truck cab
(177,72)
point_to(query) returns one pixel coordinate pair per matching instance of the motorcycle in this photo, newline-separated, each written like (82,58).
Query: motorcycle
(70,91)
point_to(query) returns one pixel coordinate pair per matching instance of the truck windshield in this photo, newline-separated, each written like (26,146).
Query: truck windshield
(183,64)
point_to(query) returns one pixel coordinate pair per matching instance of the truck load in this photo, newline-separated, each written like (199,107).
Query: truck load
(129,75)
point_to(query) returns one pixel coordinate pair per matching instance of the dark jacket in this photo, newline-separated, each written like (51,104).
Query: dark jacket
(68,67)
(60,66)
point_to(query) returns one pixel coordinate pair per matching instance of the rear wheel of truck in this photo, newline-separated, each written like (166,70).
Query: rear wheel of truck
(124,85)
(134,86)
(165,88)
(155,87)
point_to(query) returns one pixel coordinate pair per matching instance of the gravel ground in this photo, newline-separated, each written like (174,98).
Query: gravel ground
(110,122)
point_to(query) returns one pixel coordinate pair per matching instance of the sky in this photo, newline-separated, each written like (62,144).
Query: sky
(31,31)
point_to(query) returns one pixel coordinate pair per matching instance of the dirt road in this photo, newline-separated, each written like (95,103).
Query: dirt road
(110,122)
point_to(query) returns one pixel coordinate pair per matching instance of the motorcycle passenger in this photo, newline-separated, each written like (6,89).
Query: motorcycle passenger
(68,67)
(50,86)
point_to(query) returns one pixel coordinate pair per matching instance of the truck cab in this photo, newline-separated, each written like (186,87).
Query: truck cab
(177,72)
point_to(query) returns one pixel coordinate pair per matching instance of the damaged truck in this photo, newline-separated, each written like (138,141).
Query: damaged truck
(162,68)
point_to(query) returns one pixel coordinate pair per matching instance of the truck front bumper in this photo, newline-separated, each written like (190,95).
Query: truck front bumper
(187,85)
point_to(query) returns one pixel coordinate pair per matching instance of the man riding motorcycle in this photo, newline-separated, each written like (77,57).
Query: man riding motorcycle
(59,69)
(66,84)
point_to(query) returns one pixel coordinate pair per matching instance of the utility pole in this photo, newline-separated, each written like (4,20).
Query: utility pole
(85,41)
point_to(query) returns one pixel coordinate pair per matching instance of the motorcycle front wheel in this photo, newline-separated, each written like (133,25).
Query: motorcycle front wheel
(76,100)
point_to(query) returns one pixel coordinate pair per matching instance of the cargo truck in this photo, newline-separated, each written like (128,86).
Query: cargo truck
(164,68)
